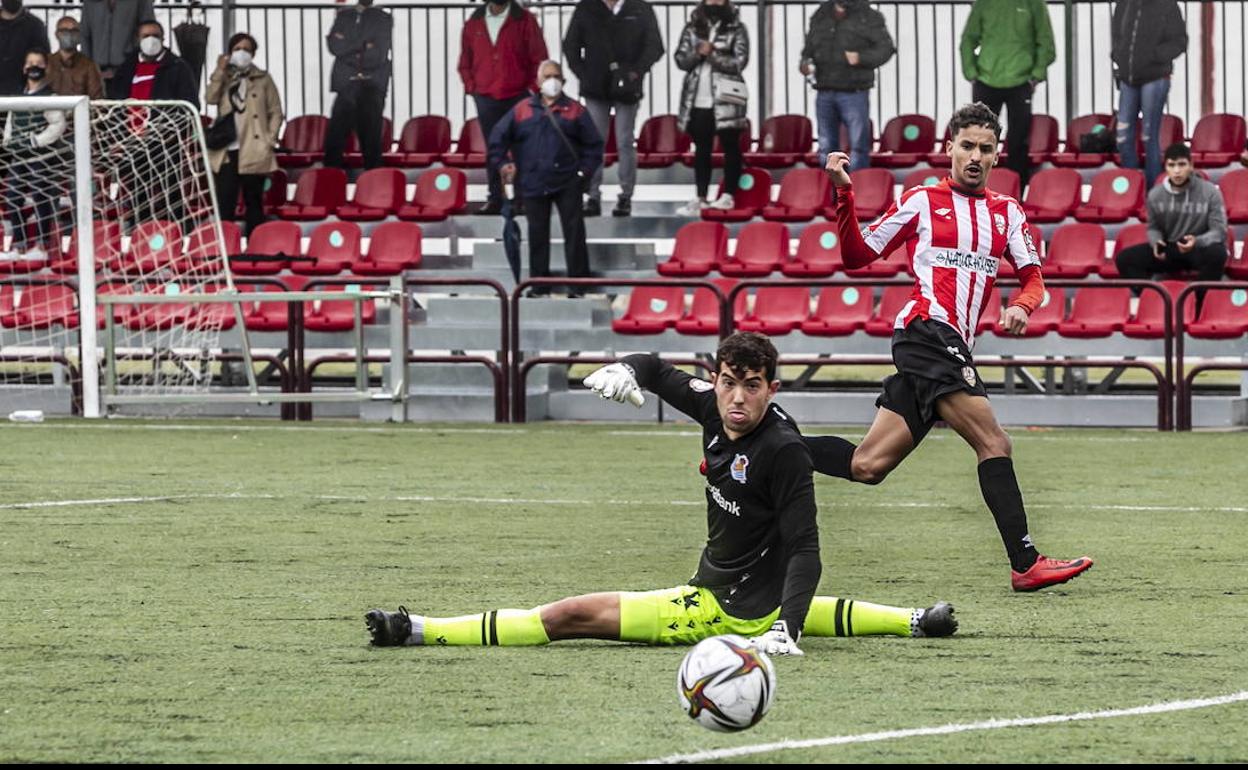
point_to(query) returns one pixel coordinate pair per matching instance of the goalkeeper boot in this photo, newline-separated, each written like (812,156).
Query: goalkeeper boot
(937,620)
(389,629)
(1049,572)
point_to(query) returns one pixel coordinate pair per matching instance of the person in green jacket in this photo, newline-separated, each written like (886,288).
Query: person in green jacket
(1007,47)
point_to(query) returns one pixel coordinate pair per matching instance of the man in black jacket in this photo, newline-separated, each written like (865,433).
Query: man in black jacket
(153,71)
(19,32)
(846,42)
(360,43)
(1147,36)
(610,46)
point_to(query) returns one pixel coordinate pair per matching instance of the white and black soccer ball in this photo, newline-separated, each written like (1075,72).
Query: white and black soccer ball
(726,685)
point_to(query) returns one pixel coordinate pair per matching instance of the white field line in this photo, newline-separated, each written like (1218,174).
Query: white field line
(950,729)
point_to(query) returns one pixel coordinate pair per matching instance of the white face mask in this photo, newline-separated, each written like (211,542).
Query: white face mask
(151,46)
(552,87)
(241,59)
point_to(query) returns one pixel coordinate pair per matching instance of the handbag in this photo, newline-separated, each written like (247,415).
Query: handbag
(222,133)
(1097,141)
(623,88)
(732,92)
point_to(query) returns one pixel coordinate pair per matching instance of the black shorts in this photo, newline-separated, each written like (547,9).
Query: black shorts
(932,360)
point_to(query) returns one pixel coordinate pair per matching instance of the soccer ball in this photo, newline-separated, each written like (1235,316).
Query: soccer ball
(726,685)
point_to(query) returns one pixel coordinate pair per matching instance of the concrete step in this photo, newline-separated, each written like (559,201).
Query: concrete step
(602,256)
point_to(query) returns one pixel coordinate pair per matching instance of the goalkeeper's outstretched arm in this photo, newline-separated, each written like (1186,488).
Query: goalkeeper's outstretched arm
(625,380)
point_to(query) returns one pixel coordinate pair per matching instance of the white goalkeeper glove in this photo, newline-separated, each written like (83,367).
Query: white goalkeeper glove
(777,641)
(616,382)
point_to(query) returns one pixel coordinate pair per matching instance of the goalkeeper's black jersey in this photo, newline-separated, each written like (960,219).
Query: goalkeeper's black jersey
(762,548)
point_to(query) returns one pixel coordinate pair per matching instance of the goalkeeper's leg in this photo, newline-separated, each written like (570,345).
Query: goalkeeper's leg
(832,616)
(591,616)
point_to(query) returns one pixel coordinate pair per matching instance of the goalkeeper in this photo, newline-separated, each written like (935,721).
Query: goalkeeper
(759,569)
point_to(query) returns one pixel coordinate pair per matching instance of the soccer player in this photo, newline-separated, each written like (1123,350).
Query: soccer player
(759,569)
(962,230)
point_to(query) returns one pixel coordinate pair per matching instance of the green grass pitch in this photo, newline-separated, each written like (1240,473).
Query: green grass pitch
(208,606)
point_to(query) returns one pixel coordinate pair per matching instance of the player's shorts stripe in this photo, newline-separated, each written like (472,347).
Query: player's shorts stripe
(494,628)
(836,615)
(849,618)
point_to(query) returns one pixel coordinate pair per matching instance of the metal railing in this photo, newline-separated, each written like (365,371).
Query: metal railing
(1183,379)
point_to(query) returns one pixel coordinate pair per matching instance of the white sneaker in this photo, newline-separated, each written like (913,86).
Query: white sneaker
(35,255)
(9,256)
(691,209)
(723,202)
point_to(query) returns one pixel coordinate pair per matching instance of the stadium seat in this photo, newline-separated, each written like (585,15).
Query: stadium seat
(887,267)
(812,158)
(839,311)
(938,157)
(700,246)
(804,193)
(990,315)
(204,252)
(208,317)
(661,143)
(783,140)
(1223,315)
(881,322)
(1053,194)
(1052,311)
(1237,263)
(761,248)
(42,306)
(1149,322)
(352,157)
(1116,195)
(120,312)
(753,195)
(1218,140)
(271,239)
(1071,157)
(777,310)
(703,316)
(421,143)
(1171,132)
(1076,250)
(873,193)
(276,188)
(1234,186)
(393,248)
(717,150)
(318,193)
(923,177)
(651,309)
(337,315)
(271,316)
(107,243)
(154,246)
(1130,235)
(470,149)
(379,192)
(1096,313)
(907,140)
(158,317)
(1005,181)
(818,253)
(439,193)
(335,245)
(1044,138)
(303,141)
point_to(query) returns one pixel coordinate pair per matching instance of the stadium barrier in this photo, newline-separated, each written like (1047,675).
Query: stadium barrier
(1183,380)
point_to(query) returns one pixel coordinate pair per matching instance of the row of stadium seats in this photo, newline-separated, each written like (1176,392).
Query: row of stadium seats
(840,311)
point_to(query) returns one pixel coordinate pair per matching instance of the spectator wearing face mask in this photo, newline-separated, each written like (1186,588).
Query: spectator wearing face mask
(28,137)
(19,32)
(109,31)
(154,72)
(70,72)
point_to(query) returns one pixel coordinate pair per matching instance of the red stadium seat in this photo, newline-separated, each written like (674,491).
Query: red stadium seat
(335,245)
(1171,132)
(752,196)
(1223,315)
(1005,181)
(1077,250)
(907,140)
(1150,317)
(271,316)
(337,315)
(1234,186)
(840,310)
(1071,157)
(379,192)
(354,158)
(700,246)
(107,238)
(1218,140)
(276,188)
(923,177)
(1052,311)
(271,239)
(120,312)
(783,141)
(938,157)
(1130,235)
(422,142)
(318,193)
(1053,194)
(1236,264)
(470,149)
(990,315)
(887,267)
(703,316)
(1043,140)
(213,316)
(894,298)
(42,306)
(651,309)
(717,150)
(818,253)
(761,248)
(812,158)
(803,194)
(660,142)
(160,317)
(777,310)
(873,193)
(205,252)
(303,141)
(1117,194)
(439,193)
(154,246)
(393,248)
(1097,313)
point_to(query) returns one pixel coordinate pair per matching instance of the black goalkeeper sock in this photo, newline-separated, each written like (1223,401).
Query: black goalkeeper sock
(1000,487)
(831,455)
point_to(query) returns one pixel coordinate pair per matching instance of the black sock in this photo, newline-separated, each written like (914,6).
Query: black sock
(831,455)
(1000,487)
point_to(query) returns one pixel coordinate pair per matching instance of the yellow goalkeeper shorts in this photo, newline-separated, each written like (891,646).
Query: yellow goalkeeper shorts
(681,615)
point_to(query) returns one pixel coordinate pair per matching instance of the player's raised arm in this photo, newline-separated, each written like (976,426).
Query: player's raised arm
(624,381)
(859,250)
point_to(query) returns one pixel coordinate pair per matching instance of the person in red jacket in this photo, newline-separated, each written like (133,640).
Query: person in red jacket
(500,50)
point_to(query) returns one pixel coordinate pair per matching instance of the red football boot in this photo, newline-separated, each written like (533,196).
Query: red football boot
(1049,572)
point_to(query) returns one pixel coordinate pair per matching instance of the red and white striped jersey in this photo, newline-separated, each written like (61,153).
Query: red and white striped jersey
(960,239)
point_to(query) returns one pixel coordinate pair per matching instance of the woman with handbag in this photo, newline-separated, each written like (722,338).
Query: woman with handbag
(714,49)
(242,138)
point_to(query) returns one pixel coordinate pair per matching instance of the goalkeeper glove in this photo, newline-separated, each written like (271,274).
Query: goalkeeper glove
(777,641)
(616,382)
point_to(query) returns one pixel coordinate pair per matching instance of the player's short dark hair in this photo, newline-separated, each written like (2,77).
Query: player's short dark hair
(746,351)
(975,114)
(237,38)
(1178,151)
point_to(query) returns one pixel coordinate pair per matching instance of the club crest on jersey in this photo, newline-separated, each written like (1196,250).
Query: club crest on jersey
(739,465)
(968,374)
(700,386)
(999,219)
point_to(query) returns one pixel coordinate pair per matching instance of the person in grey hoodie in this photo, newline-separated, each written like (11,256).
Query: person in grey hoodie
(1186,226)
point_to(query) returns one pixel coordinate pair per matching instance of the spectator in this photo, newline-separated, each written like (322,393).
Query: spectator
(500,47)
(1186,226)
(556,150)
(846,43)
(70,72)
(1007,47)
(109,31)
(360,43)
(27,136)
(20,32)
(239,88)
(154,72)
(610,46)
(714,49)
(1146,37)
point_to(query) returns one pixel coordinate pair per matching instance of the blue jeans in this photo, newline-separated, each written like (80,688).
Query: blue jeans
(1151,98)
(832,108)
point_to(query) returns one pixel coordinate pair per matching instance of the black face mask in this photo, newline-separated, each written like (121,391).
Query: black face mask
(12,6)
(35,73)
(718,13)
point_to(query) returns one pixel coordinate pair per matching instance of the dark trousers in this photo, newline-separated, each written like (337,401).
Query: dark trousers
(537,210)
(229,181)
(702,129)
(358,109)
(1138,263)
(489,113)
(41,191)
(1017,102)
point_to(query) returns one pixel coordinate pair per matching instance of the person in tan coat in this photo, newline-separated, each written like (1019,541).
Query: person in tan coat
(70,72)
(238,87)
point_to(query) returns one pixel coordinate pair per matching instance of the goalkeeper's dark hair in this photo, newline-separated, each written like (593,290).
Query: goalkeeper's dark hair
(975,114)
(745,351)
